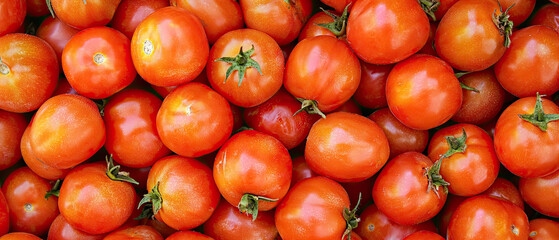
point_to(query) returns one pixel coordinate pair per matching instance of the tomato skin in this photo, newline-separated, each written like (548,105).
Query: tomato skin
(424,235)
(182,120)
(32,75)
(19,236)
(385,31)
(4,215)
(40,168)
(542,193)
(130,121)
(359,150)
(505,190)
(130,13)
(301,170)
(81,16)
(484,217)
(60,229)
(255,88)
(546,16)
(371,92)
(429,47)
(167,55)
(543,229)
(323,69)
(443,8)
(452,202)
(400,190)
(227,223)
(37,8)
(12,14)
(133,233)
(29,210)
(188,235)
(256,163)
(520,11)
(12,126)
(359,191)
(531,64)
(517,154)
(309,205)
(188,190)
(57,34)
(311,29)
(425,86)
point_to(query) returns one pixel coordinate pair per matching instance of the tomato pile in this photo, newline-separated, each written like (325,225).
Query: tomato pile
(279,119)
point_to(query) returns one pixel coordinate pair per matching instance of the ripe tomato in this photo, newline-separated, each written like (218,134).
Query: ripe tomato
(246,67)
(130,120)
(543,229)
(386,31)
(531,64)
(12,126)
(346,147)
(194,120)
(136,232)
(82,15)
(130,13)
(516,139)
(12,14)
(170,47)
(182,191)
(371,92)
(301,170)
(542,193)
(253,171)
(350,106)
(546,16)
(60,229)
(358,192)
(38,167)
(424,235)
(311,28)
(443,8)
(217,16)
(227,223)
(422,92)
(28,72)
(19,236)
(484,217)
(505,190)
(161,227)
(339,5)
(520,11)
(452,202)
(4,215)
(37,8)
(57,34)
(29,210)
(188,235)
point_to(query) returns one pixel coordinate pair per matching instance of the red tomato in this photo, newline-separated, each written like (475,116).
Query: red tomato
(170,47)
(505,190)
(339,5)
(66,131)
(484,217)
(19,236)
(182,191)
(57,34)
(253,171)
(516,140)
(12,14)
(28,72)
(386,31)
(324,71)
(4,215)
(194,120)
(12,126)
(227,223)
(311,28)
(422,92)
(400,189)
(301,170)
(531,64)
(543,229)
(161,227)
(520,11)
(64,87)
(371,92)
(38,167)
(37,8)
(82,15)
(358,192)
(130,120)
(547,16)
(452,202)
(29,210)
(429,47)
(217,16)
(130,13)
(424,235)
(542,193)
(290,16)
(246,67)
(350,106)
(60,229)
(188,235)
(135,233)
(443,8)
(346,147)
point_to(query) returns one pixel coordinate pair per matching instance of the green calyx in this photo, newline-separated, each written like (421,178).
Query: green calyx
(430,6)
(114,173)
(464,86)
(503,23)
(240,63)
(351,219)
(152,200)
(435,179)
(309,106)
(249,204)
(538,117)
(338,26)
(456,145)
(147,212)
(55,191)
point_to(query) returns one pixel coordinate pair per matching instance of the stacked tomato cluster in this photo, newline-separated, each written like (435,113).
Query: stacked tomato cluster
(218,119)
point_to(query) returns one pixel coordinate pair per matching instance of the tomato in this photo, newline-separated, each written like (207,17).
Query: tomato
(182,191)
(543,229)
(542,193)
(64,87)
(12,126)
(253,171)
(443,8)
(401,139)
(349,106)
(452,202)
(82,15)
(346,147)
(359,192)
(424,235)
(531,64)
(312,204)
(520,11)
(57,34)
(386,31)
(60,229)
(227,223)
(505,190)
(258,62)
(429,47)
(301,170)
(546,16)
(188,235)
(130,13)
(137,232)
(29,210)
(217,16)
(375,225)
(12,14)
(289,17)
(28,72)
(311,28)
(276,117)
(19,236)
(37,8)
(371,92)
(467,37)
(323,71)
(339,5)
(484,217)
(4,215)
(161,227)
(38,167)
(130,120)
(422,92)
(400,189)
(165,54)
(194,120)
(527,148)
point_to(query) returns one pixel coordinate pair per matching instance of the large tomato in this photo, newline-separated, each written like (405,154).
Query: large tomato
(505,190)
(542,194)
(130,13)
(12,14)
(60,229)
(520,10)
(12,126)
(424,235)
(312,28)
(85,14)
(543,229)
(189,235)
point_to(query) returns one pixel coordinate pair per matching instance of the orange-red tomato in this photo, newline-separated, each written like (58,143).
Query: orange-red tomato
(57,34)
(542,193)
(12,14)
(505,190)
(547,16)
(311,28)
(12,126)
(543,229)
(82,15)
(188,235)
(38,167)
(19,236)
(60,229)
(130,13)
(139,232)
(424,235)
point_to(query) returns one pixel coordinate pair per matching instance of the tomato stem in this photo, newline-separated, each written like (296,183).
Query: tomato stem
(435,179)
(430,7)
(240,63)
(114,173)
(309,106)
(49,6)
(55,190)
(249,204)
(338,26)
(503,23)
(152,198)
(4,69)
(456,145)
(538,118)
(351,219)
